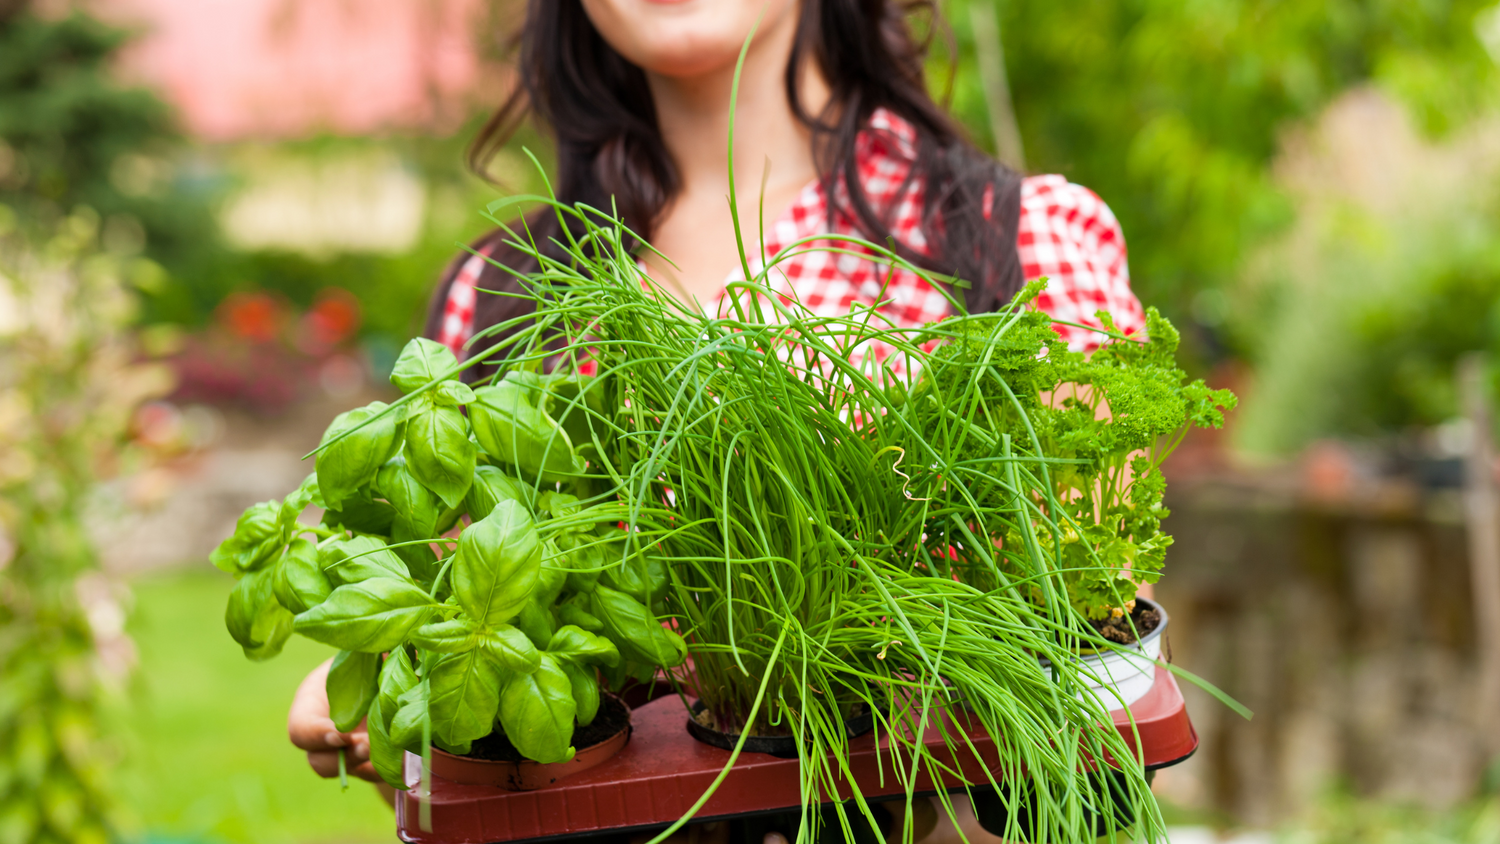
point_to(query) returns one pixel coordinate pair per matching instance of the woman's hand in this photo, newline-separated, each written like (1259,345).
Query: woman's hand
(311,729)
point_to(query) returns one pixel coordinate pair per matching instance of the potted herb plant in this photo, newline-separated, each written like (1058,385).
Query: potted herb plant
(490,649)
(842,548)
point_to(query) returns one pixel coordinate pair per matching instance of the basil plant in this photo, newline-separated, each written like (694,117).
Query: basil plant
(512,626)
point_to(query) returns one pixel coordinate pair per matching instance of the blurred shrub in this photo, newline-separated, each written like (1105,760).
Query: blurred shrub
(70,136)
(1172,111)
(68,389)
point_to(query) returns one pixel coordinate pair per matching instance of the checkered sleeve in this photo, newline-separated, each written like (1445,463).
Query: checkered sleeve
(457,324)
(1069,235)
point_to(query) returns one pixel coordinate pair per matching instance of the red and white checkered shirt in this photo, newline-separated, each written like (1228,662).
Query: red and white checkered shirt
(1066,233)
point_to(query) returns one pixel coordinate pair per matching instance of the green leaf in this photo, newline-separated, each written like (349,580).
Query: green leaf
(455,636)
(439,453)
(552,577)
(452,393)
(353,682)
(413,714)
(537,623)
(420,363)
(388,760)
(247,602)
(511,648)
(572,643)
(537,712)
(299,583)
(641,576)
(256,539)
(417,513)
(571,613)
(513,429)
(351,462)
(640,637)
(372,616)
(416,506)
(574,416)
(585,683)
(498,565)
(465,695)
(362,513)
(492,486)
(272,628)
(584,557)
(358,559)
(293,505)
(396,679)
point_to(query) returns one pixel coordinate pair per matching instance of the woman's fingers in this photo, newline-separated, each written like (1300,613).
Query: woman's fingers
(307,722)
(326,763)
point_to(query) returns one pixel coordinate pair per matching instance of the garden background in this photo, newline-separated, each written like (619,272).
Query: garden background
(220,219)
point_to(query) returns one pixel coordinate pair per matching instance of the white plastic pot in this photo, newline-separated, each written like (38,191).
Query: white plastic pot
(1120,678)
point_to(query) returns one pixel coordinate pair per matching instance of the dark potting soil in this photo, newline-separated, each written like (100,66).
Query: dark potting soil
(1118,629)
(612,717)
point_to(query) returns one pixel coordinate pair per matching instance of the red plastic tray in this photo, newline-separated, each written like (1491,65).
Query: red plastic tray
(663,771)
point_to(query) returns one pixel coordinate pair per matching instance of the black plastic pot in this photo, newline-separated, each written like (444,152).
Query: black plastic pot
(784,747)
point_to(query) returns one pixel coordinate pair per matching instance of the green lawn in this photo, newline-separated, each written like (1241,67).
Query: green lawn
(207,758)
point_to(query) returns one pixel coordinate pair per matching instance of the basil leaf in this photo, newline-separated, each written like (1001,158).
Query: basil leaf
(571,613)
(537,623)
(361,513)
(574,644)
(498,565)
(573,415)
(272,628)
(537,712)
(641,576)
(492,486)
(439,453)
(412,717)
(246,602)
(552,576)
(359,559)
(299,583)
(585,684)
(353,682)
(511,648)
(513,429)
(256,539)
(372,616)
(452,393)
(396,679)
(417,513)
(447,637)
(585,559)
(416,506)
(421,362)
(639,636)
(464,697)
(351,462)
(388,760)
(292,507)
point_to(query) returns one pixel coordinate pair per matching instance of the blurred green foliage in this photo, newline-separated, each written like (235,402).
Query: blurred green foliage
(70,136)
(208,761)
(1171,111)
(68,391)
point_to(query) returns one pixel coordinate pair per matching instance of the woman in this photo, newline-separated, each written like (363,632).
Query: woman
(834,132)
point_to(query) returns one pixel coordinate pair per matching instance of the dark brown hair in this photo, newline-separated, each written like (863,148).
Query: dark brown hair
(599,109)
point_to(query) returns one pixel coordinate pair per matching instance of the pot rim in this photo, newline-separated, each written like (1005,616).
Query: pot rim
(1137,645)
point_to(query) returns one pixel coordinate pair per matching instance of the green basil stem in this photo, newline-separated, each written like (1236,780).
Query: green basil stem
(343,768)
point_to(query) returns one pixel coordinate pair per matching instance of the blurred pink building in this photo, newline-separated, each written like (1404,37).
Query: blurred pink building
(289,68)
